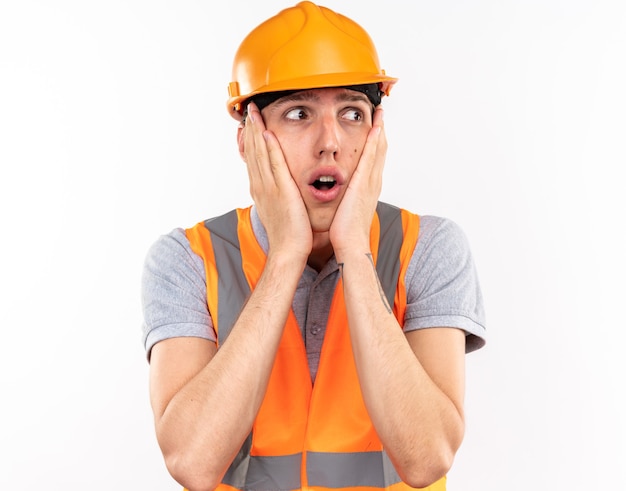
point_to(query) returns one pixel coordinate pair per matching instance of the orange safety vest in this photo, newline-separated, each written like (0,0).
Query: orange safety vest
(306,436)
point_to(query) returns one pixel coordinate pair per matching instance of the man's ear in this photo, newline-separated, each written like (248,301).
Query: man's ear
(240,140)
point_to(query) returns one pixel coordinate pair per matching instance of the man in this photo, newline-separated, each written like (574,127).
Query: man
(317,339)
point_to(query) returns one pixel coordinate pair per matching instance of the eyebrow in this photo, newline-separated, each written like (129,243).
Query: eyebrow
(303,95)
(352,96)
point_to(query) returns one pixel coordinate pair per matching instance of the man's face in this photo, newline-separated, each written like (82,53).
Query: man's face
(322,133)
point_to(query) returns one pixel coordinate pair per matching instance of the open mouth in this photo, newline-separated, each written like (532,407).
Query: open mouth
(324,183)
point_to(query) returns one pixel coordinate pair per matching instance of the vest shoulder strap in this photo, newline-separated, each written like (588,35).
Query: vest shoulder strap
(232,288)
(389,244)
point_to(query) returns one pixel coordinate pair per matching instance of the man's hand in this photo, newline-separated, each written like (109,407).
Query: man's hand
(275,194)
(350,230)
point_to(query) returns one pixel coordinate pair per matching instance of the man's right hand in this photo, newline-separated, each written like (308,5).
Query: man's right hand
(275,194)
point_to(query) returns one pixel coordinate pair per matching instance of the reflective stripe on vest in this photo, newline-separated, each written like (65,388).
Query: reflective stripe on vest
(324,469)
(233,289)
(306,437)
(263,472)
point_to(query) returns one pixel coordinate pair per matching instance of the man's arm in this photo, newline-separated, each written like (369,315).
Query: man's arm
(205,400)
(412,385)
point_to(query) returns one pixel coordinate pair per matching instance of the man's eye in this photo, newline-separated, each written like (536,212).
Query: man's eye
(296,114)
(353,115)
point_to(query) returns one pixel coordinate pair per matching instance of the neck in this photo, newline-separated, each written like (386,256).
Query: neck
(322,251)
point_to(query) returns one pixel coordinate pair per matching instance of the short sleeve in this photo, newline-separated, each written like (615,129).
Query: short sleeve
(173,292)
(442,283)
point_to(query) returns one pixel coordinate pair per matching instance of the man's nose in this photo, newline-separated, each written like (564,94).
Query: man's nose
(328,143)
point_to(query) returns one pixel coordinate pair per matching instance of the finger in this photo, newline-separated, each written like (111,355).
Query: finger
(381,145)
(381,139)
(278,164)
(256,152)
(375,145)
(379,117)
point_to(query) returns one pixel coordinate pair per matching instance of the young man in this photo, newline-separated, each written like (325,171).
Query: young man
(317,339)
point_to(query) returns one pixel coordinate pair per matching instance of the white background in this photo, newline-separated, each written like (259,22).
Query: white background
(509,118)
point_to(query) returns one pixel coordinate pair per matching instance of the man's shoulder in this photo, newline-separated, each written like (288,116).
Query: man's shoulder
(438,226)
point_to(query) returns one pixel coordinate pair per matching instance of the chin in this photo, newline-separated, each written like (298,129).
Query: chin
(320,226)
(321,219)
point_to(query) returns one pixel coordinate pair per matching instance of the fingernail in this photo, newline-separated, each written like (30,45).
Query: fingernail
(250,115)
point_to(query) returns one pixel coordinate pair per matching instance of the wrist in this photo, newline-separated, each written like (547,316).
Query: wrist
(353,246)
(285,263)
(353,255)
